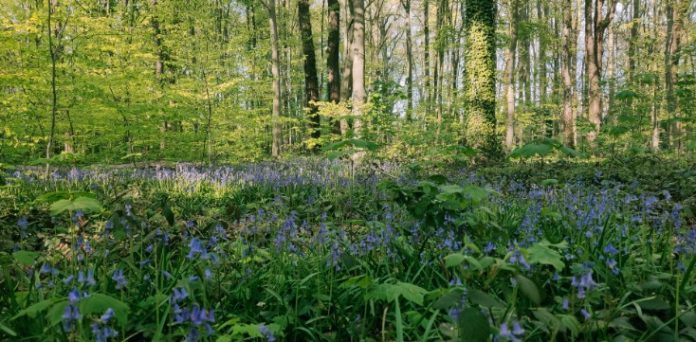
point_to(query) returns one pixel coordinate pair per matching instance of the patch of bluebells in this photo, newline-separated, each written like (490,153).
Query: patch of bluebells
(101,330)
(513,334)
(192,316)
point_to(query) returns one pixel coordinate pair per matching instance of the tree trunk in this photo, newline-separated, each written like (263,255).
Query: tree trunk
(633,40)
(54,93)
(310,67)
(275,71)
(406,4)
(568,52)
(425,94)
(359,95)
(595,27)
(509,76)
(480,131)
(347,73)
(332,61)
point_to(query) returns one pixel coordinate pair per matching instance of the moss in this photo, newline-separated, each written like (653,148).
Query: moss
(479,93)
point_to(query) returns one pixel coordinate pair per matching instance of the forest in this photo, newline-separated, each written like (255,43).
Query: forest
(348,170)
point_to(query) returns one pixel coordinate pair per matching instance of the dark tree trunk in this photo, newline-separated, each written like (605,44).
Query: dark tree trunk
(332,61)
(310,66)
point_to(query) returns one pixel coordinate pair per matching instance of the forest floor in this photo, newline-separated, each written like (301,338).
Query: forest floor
(305,249)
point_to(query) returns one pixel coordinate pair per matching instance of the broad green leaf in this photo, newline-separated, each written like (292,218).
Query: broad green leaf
(484,299)
(473,326)
(542,254)
(98,303)
(528,288)
(34,309)
(85,204)
(25,258)
(454,259)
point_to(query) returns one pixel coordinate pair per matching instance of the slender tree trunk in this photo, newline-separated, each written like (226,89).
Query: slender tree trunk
(568,52)
(347,73)
(633,40)
(406,4)
(595,28)
(54,93)
(359,95)
(310,67)
(509,76)
(332,59)
(480,131)
(425,94)
(275,71)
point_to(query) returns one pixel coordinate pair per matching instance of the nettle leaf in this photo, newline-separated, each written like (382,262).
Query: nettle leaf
(35,309)
(529,289)
(484,299)
(392,292)
(82,203)
(449,299)
(98,303)
(473,326)
(25,258)
(541,253)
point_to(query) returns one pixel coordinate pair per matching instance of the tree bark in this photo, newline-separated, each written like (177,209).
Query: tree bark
(359,95)
(509,77)
(332,58)
(406,4)
(425,94)
(595,28)
(310,67)
(54,93)
(568,37)
(480,131)
(275,71)
(347,72)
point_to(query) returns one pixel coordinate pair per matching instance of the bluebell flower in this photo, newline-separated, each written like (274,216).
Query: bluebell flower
(103,333)
(71,314)
(179,294)
(196,248)
(610,249)
(490,247)
(23,223)
(514,335)
(585,314)
(108,314)
(120,279)
(267,333)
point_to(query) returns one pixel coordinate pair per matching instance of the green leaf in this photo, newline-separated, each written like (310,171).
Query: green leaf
(529,288)
(85,204)
(25,258)
(34,309)
(392,292)
(55,313)
(473,326)
(7,330)
(97,303)
(484,299)
(454,259)
(449,299)
(541,254)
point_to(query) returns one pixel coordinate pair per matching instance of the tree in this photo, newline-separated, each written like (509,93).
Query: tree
(310,67)
(332,57)
(568,59)
(595,27)
(406,4)
(358,71)
(480,131)
(509,76)
(275,71)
